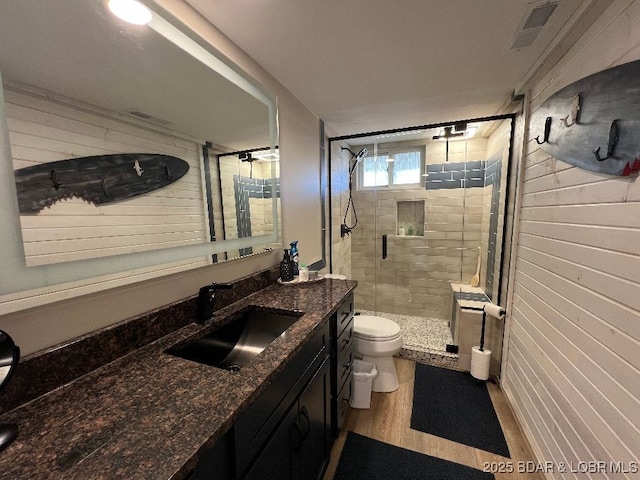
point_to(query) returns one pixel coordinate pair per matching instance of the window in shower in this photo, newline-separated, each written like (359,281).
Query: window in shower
(411,218)
(393,167)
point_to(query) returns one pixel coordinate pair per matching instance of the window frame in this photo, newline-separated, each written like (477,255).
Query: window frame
(394,151)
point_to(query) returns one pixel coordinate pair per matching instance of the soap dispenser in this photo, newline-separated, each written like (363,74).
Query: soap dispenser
(286,267)
(295,257)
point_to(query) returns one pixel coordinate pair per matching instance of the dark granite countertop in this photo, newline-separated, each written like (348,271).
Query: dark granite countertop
(148,414)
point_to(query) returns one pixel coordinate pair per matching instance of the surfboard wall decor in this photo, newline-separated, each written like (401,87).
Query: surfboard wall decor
(594,123)
(98,179)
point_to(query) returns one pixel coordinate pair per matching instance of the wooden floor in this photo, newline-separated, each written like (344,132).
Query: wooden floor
(389,418)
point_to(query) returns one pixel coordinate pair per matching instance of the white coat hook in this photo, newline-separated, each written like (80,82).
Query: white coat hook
(138,168)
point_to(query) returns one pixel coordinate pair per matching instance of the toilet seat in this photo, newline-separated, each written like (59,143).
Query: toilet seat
(375,329)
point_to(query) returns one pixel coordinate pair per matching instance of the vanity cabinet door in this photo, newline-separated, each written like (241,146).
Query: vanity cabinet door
(275,461)
(311,440)
(299,447)
(215,462)
(254,428)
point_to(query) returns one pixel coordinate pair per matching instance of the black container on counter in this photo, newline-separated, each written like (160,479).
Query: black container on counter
(286,267)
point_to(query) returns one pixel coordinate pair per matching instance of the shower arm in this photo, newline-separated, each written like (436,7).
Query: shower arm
(344,228)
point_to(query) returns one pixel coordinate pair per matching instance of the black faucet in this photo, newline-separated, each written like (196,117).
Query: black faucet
(206,295)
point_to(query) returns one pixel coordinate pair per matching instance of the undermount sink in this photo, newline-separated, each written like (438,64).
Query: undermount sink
(233,345)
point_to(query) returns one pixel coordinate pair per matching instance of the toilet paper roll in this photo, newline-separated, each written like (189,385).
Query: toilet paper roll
(494,310)
(480,363)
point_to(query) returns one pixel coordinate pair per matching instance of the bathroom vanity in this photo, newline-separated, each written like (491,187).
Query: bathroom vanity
(151,414)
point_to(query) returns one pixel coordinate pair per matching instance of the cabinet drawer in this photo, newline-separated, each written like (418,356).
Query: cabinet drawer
(343,402)
(345,365)
(345,340)
(345,313)
(254,427)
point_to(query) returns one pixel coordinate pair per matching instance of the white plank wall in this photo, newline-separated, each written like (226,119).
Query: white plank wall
(572,371)
(41,130)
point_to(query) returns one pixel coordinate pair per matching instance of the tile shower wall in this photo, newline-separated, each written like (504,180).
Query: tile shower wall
(253,195)
(341,254)
(414,279)
(493,176)
(247,192)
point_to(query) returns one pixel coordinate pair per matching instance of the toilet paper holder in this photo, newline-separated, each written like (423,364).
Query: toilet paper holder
(481,358)
(495,311)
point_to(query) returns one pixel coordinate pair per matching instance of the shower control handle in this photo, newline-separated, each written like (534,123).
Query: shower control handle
(384,246)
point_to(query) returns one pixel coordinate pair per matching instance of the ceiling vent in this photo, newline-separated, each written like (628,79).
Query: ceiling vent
(533,20)
(149,118)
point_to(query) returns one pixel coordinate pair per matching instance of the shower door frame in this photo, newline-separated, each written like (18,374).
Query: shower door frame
(511,116)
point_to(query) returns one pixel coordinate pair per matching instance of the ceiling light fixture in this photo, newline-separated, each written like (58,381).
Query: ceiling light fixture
(267,156)
(130,11)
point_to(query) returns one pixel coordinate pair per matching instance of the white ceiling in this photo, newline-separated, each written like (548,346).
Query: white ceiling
(368,65)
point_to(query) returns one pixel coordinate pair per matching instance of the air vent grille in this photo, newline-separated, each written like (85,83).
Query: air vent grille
(140,114)
(534,18)
(539,16)
(525,39)
(149,118)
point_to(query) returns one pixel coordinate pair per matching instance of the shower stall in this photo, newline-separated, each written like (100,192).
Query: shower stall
(414,218)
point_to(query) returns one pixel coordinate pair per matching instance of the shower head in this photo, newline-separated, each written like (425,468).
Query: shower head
(358,156)
(449,132)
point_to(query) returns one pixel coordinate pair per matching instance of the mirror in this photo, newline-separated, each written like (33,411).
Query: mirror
(78,83)
(9,356)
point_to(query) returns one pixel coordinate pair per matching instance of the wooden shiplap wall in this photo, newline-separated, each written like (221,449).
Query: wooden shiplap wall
(42,130)
(572,371)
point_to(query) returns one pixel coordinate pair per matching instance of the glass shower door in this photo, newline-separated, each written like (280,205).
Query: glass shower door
(428,203)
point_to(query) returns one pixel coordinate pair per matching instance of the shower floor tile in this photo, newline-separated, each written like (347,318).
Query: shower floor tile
(423,339)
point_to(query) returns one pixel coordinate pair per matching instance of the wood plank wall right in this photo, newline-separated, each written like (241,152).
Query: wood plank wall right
(572,370)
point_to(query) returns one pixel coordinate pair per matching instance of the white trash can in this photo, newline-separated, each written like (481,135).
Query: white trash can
(363,375)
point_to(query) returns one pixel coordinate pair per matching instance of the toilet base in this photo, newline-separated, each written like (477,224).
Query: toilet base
(387,378)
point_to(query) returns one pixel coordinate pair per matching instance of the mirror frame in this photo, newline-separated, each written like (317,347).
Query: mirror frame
(18,281)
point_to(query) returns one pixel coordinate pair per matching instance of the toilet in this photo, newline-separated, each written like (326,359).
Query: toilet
(377,340)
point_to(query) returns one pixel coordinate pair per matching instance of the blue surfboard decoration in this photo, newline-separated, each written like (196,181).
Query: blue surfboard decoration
(97,179)
(594,123)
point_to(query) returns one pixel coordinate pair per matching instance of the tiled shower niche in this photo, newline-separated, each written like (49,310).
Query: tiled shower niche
(410,218)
